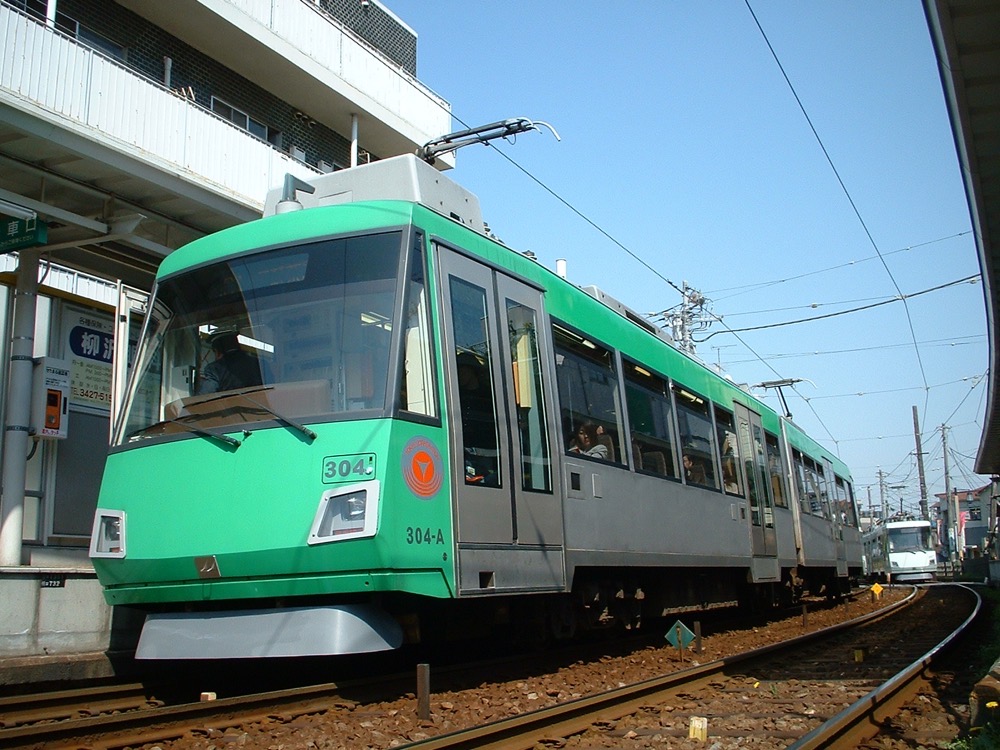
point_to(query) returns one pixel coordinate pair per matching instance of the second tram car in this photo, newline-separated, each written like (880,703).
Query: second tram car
(429,433)
(901,550)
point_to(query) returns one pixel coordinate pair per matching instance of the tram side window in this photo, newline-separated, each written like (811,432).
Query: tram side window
(853,508)
(844,504)
(824,492)
(775,471)
(416,385)
(725,432)
(526,372)
(815,488)
(694,420)
(588,396)
(811,495)
(651,418)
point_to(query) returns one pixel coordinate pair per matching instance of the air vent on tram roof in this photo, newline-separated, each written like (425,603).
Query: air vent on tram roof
(627,312)
(405,178)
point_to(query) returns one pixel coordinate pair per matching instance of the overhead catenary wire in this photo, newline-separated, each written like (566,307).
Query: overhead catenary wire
(850,199)
(901,298)
(929,343)
(746,288)
(879,255)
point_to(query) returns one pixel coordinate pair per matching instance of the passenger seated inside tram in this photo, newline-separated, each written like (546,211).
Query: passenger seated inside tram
(729,476)
(587,442)
(694,470)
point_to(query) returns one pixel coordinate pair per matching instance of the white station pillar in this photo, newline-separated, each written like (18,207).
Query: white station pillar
(16,428)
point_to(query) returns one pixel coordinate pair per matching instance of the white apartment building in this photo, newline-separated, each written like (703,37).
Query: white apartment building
(128,128)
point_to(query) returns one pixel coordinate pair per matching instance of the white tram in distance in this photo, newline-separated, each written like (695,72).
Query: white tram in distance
(901,551)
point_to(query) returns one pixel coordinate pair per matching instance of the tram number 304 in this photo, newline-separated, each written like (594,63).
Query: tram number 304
(350,468)
(426,535)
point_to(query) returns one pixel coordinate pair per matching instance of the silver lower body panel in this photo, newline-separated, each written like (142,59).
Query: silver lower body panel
(248,634)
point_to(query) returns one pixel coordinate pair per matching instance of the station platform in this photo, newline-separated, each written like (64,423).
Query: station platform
(57,668)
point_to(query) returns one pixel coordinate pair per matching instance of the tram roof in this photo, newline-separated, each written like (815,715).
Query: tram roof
(966,37)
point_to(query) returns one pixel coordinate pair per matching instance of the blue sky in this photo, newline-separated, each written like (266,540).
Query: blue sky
(682,140)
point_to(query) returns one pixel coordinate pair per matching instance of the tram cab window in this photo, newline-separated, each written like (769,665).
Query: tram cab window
(317,319)
(416,386)
(650,415)
(588,396)
(725,431)
(694,420)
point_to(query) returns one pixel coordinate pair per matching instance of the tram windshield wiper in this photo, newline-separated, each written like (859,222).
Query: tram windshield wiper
(206,433)
(280,417)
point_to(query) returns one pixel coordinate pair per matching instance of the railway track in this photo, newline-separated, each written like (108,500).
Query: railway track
(609,716)
(815,692)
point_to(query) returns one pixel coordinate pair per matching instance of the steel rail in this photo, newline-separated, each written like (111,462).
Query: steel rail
(167,722)
(526,730)
(861,720)
(17,710)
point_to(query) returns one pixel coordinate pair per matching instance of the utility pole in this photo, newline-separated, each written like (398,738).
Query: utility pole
(693,315)
(883,504)
(885,518)
(924,511)
(951,501)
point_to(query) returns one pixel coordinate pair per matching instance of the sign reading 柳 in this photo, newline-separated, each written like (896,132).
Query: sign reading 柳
(16,234)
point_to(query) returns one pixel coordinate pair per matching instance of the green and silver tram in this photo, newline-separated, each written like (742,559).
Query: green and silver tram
(430,434)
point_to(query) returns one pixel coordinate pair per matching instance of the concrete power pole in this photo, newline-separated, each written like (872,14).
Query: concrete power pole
(924,511)
(952,503)
(883,503)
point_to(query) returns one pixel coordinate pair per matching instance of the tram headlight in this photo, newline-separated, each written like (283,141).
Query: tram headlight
(107,538)
(349,512)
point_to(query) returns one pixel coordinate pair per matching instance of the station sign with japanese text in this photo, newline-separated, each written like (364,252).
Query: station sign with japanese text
(16,234)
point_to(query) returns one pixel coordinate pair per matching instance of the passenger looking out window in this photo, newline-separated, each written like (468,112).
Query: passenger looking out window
(587,382)
(694,471)
(696,437)
(587,441)
(726,436)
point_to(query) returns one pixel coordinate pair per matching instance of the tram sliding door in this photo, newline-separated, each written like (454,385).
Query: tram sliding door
(836,515)
(508,518)
(763,536)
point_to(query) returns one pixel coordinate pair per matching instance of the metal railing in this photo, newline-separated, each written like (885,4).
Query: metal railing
(55,78)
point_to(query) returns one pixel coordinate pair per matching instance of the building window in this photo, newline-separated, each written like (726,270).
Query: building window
(89,37)
(242,120)
(34,8)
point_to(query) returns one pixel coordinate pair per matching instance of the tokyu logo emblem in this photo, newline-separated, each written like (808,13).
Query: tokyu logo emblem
(422,468)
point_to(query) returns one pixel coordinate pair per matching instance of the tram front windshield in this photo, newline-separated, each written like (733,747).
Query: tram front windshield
(300,333)
(909,539)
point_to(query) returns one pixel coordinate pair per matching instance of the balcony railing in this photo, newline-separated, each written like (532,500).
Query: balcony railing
(54,77)
(307,28)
